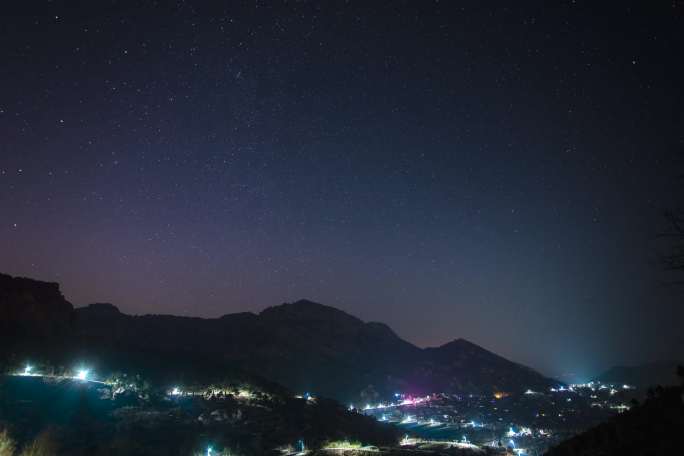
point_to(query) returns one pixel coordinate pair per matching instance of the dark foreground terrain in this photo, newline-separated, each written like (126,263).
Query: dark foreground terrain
(44,416)
(90,418)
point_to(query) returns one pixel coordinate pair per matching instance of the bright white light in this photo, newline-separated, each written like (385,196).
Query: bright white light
(27,369)
(247,394)
(82,374)
(406,441)
(209,450)
(175,391)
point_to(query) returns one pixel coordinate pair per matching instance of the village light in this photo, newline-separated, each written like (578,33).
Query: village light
(27,369)
(82,374)
(209,451)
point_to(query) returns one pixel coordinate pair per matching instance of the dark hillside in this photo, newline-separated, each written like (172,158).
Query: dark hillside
(651,428)
(303,345)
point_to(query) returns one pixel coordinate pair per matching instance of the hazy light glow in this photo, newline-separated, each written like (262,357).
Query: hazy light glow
(82,374)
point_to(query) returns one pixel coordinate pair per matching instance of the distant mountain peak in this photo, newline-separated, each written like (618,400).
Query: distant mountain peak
(102,307)
(307,302)
(461,344)
(31,307)
(39,288)
(463,348)
(307,310)
(643,375)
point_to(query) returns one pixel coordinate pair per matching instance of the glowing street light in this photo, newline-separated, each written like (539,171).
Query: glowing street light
(82,374)
(27,369)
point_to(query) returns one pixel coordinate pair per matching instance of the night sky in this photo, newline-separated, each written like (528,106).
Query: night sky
(454,169)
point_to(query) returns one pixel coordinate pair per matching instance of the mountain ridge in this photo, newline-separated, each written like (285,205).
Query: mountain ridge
(303,345)
(644,375)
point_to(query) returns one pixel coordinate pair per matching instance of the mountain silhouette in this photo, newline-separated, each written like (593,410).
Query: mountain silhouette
(305,346)
(644,375)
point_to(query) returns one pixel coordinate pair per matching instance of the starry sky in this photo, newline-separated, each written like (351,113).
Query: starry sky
(454,169)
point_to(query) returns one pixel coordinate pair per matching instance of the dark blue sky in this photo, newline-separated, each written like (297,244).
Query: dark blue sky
(454,169)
